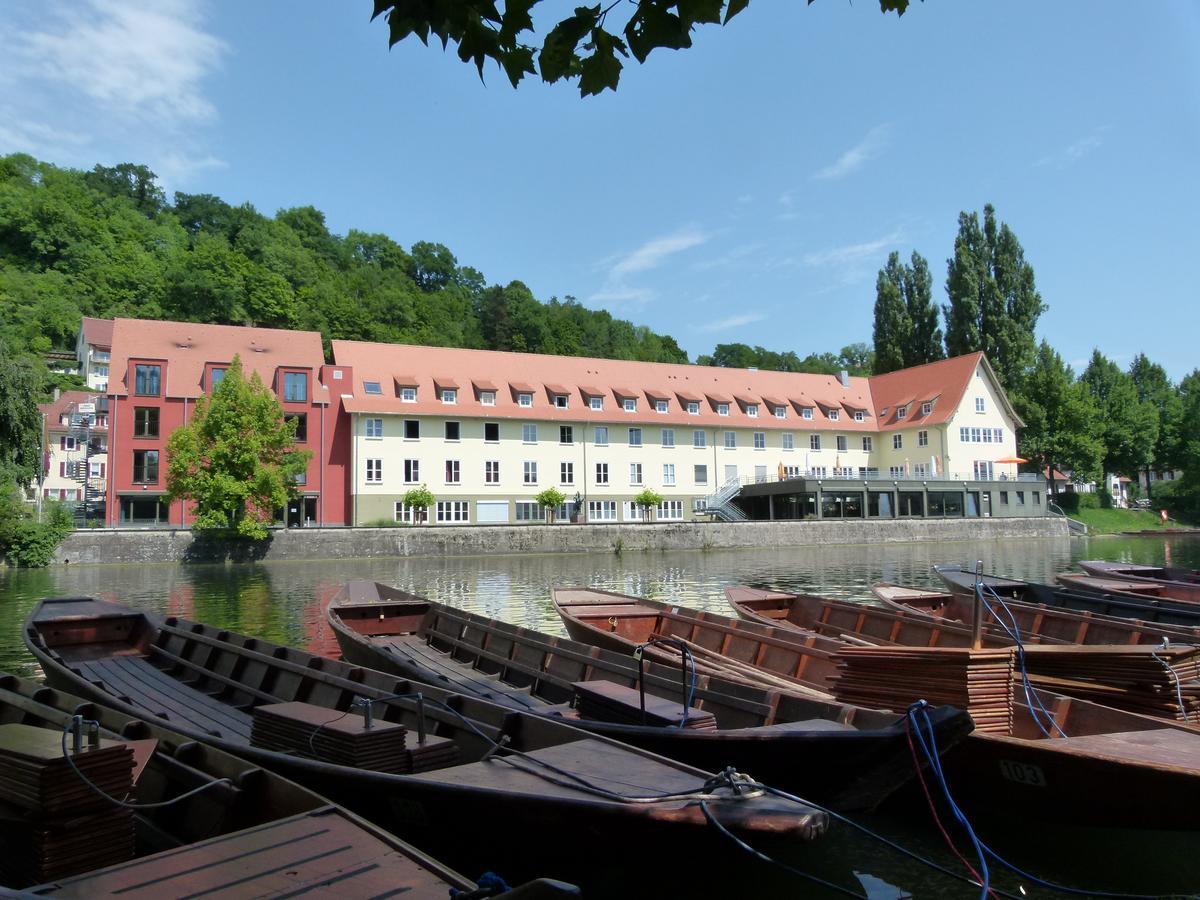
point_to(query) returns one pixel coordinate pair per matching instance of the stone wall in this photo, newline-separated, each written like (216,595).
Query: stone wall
(133,546)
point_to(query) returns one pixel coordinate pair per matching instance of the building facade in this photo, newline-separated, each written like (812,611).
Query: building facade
(93,351)
(75,442)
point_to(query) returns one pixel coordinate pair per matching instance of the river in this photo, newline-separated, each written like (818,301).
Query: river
(283,601)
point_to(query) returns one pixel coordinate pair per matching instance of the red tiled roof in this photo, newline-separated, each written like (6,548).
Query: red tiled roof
(948,378)
(98,332)
(406,381)
(558,389)
(483,384)
(188,346)
(56,409)
(445,383)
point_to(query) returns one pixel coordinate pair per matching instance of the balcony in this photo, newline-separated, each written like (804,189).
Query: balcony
(100,356)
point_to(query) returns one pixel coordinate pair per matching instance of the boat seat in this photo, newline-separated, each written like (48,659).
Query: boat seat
(140,683)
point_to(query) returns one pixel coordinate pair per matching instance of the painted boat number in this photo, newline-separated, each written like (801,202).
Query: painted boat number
(1022,773)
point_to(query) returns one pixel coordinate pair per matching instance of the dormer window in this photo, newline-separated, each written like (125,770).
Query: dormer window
(901,412)
(524,399)
(372,387)
(487,398)
(449,395)
(693,408)
(781,412)
(408,395)
(834,415)
(630,404)
(927,407)
(660,406)
(596,403)
(752,410)
(722,409)
(561,401)
(214,378)
(806,412)
(860,416)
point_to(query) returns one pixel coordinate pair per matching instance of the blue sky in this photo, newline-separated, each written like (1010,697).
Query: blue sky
(747,189)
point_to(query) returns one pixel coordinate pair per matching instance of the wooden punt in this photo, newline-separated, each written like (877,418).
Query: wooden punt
(1022,774)
(1173,583)
(1145,609)
(535,820)
(256,834)
(843,756)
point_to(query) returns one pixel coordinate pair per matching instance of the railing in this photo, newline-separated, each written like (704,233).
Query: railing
(875,475)
(1073,525)
(99,356)
(720,504)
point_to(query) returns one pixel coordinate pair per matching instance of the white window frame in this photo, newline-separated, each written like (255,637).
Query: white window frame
(487,398)
(600,436)
(781,412)
(635,474)
(722,409)
(596,403)
(562,401)
(668,437)
(456,512)
(529,471)
(629,404)
(814,442)
(860,416)
(491,471)
(760,440)
(835,415)
(408,395)
(529,431)
(926,407)
(566,473)
(806,413)
(602,474)
(897,441)
(752,410)
(374,471)
(566,431)
(529,511)
(788,440)
(730,440)
(843,443)
(699,439)
(525,400)
(670,511)
(374,429)
(602,510)
(635,437)
(668,474)
(901,412)
(453,471)
(372,387)
(412,471)
(697,468)
(980,405)
(693,408)
(922,438)
(403,513)
(868,443)
(661,406)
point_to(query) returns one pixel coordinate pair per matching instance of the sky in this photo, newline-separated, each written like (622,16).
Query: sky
(746,189)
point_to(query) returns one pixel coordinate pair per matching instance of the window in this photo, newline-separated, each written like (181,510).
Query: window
(630,404)
(668,437)
(979,405)
(975,436)
(668,474)
(374,471)
(96,469)
(896,471)
(922,438)
(700,474)
(699,439)
(453,431)
(926,407)
(964,434)
(635,473)
(566,473)
(145,381)
(921,470)
(449,395)
(602,510)
(860,416)
(867,443)
(215,377)
(412,471)
(842,443)
(374,428)
(529,433)
(1037,498)
(491,471)
(983,470)
(780,412)
(661,406)
(814,442)
(301,420)
(600,436)
(722,409)
(760,440)
(1004,498)
(453,511)
(529,511)
(561,401)
(145,467)
(372,387)
(601,473)
(670,511)
(789,440)
(730,440)
(997,435)
(806,412)
(408,395)
(635,437)
(530,471)
(295,387)
(901,412)
(487,398)
(596,403)
(453,472)
(897,442)
(835,415)
(403,513)
(101,371)
(412,429)
(566,434)
(693,408)
(752,410)
(145,423)
(817,471)
(524,399)
(491,432)
(1020,498)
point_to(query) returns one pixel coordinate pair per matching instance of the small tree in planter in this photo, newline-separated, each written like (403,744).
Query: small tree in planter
(550,500)
(419,500)
(648,500)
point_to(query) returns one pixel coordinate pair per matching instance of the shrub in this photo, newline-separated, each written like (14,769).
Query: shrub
(26,541)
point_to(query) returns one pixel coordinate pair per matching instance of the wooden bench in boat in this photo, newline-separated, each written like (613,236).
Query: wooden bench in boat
(1160,746)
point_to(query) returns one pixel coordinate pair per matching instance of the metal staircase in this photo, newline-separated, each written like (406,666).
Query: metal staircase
(92,493)
(721,503)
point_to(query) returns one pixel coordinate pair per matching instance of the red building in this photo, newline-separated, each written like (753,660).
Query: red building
(158,372)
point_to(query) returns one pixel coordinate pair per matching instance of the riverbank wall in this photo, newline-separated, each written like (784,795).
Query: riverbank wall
(95,546)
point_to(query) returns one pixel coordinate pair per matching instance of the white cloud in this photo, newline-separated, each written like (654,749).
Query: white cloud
(852,254)
(652,253)
(1072,153)
(733,322)
(868,148)
(179,167)
(623,294)
(734,256)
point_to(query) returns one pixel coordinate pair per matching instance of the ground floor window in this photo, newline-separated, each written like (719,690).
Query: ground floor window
(670,511)
(842,506)
(911,503)
(973,504)
(602,510)
(404,513)
(453,511)
(631,512)
(880,505)
(945,503)
(529,511)
(143,510)
(983,470)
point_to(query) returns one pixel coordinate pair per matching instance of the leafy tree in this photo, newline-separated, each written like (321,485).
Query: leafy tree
(893,327)
(579,46)
(236,459)
(857,359)
(419,499)
(1154,387)
(1128,426)
(133,182)
(20,421)
(24,539)
(994,304)
(649,501)
(1061,420)
(550,500)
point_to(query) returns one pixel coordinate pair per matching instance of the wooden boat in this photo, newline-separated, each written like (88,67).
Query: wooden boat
(526,787)
(835,754)
(247,832)
(1024,773)
(1146,609)
(1177,584)
(1094,584)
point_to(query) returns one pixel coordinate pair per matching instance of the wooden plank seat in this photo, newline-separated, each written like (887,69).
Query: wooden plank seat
(455,673)
(143,684)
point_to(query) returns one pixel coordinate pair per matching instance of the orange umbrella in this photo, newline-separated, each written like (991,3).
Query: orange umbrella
(1012,459)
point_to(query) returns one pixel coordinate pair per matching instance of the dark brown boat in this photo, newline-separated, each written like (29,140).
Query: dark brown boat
(838,755)
(246,832)
(1174,583)
(544,797)
(1023,773)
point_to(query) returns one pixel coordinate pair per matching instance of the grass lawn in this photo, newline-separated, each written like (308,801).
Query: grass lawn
(1110,521)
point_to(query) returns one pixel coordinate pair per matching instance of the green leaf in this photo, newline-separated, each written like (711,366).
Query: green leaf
(602,69)
(517,63)
(515,20)
(699,11)
(651,27)
(735,7)
(558,57)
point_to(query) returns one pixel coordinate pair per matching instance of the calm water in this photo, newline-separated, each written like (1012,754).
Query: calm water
(283,601)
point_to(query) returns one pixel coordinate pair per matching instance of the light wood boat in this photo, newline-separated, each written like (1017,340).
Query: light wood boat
(1173,583)
(835,754)
(527,800)
(256,833)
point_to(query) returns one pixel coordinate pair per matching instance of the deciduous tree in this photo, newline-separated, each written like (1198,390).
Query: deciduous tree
(1154,387)
(20,421)
(1061,420)
(1128,426)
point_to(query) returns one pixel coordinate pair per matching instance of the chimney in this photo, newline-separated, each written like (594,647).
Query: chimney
(845,376)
